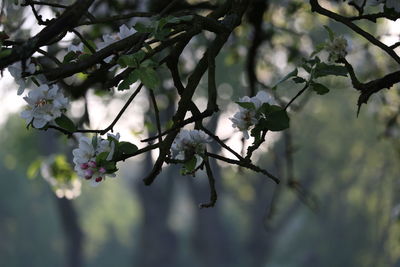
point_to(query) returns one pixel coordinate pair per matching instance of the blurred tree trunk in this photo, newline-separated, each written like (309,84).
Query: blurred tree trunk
(211,240)
(66,210)
(158,245)
(72,231)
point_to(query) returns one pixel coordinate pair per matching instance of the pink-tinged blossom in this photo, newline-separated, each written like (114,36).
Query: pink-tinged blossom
(85,158)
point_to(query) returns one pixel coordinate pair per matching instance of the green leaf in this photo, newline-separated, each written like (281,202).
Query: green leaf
(127,148)
(69,57)
(5,52)
(247,105)
(142,28)
(323,69)
(161,34)
(189,166)
(319,88)
(330,33)
(186,18)
(265,108)
(298,79)
(101,158)
(33,169)
(149,77)
(132,60)
(110,166)
(318,49)
(65,123)
(132,77)
(276,119)
(288,76)
(94,141)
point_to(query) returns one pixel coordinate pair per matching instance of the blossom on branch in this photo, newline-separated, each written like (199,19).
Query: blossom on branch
(248,115)
(45,104)
(337,48)
(16,70)
(109,39)
(189,143)
(93,158)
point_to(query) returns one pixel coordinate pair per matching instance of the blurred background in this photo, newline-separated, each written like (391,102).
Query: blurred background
(338,204)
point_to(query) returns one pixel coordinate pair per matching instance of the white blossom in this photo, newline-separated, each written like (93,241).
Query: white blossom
(189,143)
(16,70)
(245,118)
(44,105)
(76,48)
(109,39)
(125,32)
(85,158)
(337,48)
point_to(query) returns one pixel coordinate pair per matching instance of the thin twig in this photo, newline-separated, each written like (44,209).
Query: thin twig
(211,182)
(245,164)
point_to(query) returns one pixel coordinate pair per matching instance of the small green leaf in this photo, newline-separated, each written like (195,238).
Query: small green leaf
(323,69)
(132,77)
(247,105)
(162,34)
(65,123)
(330,33)
(318,49)
(276,119)
(127,148)
(319,88)
(132,60)
(101,158)
(69,57)
(288,76)
(298,79)
(110,166)
(149,77)
(94,141)
(33,169)
(189,166)
(142,28)
(186,18)
(5,52)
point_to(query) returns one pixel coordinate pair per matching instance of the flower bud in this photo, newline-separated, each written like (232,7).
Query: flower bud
(88,174)
(98,179)
(102,170)
(84,166)
(92,164)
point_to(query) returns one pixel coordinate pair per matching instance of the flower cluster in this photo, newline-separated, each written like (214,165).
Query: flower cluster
(17,70)
(44,105)
(337,48)
(248,116)
(189,143)
(93,158)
